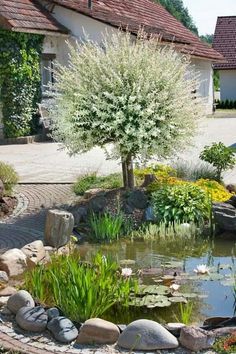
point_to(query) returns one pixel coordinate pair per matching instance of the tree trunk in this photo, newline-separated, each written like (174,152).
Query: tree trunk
(128,172)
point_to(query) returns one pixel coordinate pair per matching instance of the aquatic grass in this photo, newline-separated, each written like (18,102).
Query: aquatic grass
(159,231)
(106,227)
(81,290)
(186,311)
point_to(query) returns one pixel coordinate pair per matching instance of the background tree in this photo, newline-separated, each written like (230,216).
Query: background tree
(135,95)
(179,11)
(208,38)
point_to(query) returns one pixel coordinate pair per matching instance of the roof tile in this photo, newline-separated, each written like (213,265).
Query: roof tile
(136,13)
(225,41)
(27,15)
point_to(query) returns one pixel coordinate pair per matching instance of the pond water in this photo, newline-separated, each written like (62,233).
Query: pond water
(212,295)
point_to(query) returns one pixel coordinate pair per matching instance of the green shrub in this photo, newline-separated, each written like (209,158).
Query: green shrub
(106,227)
(190,172)
(81,290)
(220,157)
(184,203)
(89,181)
(8,176)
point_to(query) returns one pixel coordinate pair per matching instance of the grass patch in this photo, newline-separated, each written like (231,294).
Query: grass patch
(90,181)
(190,172)
(107,227)
(81,290)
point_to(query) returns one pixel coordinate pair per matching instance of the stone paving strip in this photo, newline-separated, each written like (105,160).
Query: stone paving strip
(27,222)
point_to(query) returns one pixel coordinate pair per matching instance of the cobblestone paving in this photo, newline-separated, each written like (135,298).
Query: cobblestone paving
(27,222)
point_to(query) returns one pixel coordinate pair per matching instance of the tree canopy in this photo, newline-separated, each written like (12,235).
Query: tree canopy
(179,11)
(136,95)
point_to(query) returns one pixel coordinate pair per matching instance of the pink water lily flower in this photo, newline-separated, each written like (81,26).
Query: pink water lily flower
(126,272)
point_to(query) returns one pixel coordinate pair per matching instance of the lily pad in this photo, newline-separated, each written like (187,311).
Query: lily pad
(173,264)
(177,299)
(127,262)
(228,282)
(151,301)
(153,290)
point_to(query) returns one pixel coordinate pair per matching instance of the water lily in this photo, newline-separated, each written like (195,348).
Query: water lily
(126,272)
(202,269)
(175,287)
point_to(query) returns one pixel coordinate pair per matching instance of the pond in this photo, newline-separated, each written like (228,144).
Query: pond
(211,294)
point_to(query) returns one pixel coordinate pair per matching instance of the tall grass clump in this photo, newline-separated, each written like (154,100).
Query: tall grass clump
(106,227)
(81,290)
(194,172)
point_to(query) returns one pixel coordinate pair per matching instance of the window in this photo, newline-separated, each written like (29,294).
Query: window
(46,70)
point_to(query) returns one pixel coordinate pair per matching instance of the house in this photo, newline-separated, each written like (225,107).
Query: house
(225,43)
(67,20)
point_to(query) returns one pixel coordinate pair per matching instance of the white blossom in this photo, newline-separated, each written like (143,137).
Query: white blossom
(134,94)
(202,269)
(126,272)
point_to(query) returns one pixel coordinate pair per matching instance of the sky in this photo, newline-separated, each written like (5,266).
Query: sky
(205,12)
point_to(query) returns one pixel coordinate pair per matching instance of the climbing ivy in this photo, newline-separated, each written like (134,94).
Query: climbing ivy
(20,82)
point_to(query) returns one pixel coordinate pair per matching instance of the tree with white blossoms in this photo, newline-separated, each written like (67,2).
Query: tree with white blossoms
(135,94)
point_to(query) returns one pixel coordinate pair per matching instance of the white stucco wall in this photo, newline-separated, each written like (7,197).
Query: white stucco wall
(228,84)
(79,24)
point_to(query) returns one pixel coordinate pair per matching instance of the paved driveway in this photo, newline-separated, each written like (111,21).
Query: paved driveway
(44,162)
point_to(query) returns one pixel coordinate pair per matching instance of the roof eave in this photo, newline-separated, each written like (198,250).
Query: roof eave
(38,31)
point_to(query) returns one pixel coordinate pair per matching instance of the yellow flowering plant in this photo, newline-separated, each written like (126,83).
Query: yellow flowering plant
(217,191)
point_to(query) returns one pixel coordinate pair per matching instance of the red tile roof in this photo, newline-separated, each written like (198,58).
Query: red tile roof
(136,13)
(27,16)
(225,41)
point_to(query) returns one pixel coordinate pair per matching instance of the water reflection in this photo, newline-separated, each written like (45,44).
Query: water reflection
(218,300)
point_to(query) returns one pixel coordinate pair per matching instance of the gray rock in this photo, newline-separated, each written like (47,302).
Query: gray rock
(225,216)
(63,329)
(196,339)
(138,199)
(58,228)
(3,277)
(146,335)
(149,214)
(98,331)
(34,251)
(232,201)
(175,328)
(52,313)
(13,262)
(97,204)
(80,214)
(32,319)
(20,299)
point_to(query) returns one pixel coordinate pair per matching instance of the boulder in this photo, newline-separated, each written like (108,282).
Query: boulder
(232,201)
(93,192)
(58,228)
(3,277)
(13,262)
(196,339)
(62,329)
(146,335)
(80,214)
(225,216)
(34,251)
(98,331)
(18,300)
(32,319)
(52,313)
(138,199)
(175,328)
(97,204)
(8,291)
